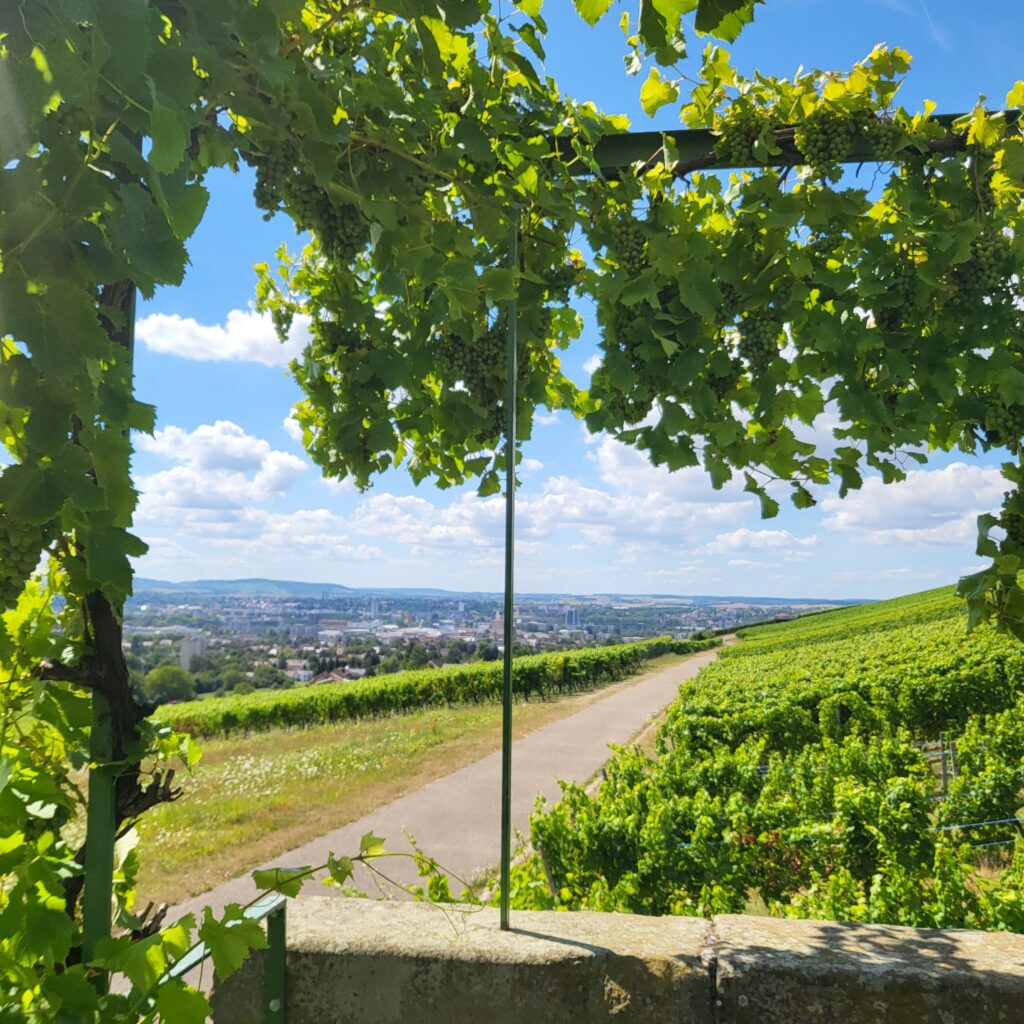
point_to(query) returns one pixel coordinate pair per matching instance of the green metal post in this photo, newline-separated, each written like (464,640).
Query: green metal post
(512,313)
(97,894)
(101,810)
(274,974)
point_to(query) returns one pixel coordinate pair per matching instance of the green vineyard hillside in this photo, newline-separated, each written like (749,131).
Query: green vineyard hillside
(863,764)
(540,675)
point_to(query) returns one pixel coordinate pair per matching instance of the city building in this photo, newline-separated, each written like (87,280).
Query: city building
(298,669)
(191,647)
(572,618)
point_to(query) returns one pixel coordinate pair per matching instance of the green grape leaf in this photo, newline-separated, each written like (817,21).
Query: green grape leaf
(169,136)
(71,992)
(340,869)
(145,961)
(177,1003)
(591,11)
(531,8)
(230,940)
(655,93)
(724,19)
(287,881)
(371,845)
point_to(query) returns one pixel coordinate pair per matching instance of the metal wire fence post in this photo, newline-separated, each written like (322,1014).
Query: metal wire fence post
(512,313)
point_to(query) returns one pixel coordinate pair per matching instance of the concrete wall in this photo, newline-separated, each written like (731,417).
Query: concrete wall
(367,962)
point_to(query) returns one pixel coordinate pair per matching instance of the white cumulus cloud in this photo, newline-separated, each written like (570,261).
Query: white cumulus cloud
(245,336)
(218,472)
(932,506)
(745,539)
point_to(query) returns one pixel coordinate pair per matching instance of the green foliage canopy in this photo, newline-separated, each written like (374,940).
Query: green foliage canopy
(167,683)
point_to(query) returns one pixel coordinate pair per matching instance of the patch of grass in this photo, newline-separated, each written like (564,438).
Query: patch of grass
(254,798)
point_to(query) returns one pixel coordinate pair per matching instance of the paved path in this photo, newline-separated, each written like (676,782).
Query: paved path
(456,819)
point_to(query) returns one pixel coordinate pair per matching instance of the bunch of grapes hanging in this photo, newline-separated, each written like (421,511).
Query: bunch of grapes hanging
(21,545)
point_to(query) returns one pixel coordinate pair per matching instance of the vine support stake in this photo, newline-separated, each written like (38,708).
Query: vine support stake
(101,809)
(512,315)
(97,894)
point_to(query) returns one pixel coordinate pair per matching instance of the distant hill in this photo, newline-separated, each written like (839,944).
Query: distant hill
(250,587)
(257,587)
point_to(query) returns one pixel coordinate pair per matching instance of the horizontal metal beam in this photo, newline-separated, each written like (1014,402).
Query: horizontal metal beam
(695,147)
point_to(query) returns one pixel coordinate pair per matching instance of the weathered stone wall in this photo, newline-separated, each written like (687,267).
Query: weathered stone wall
(366,962)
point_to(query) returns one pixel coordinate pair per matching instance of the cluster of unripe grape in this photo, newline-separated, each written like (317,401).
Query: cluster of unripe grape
(20,547)
(989,268)
(561,279)
(901,297)
(885,136)
(740,131)
(622,326)
(338,338)
(826,241)
(480,364)
(1011,519)
(341,228)
(729,307)
(1004,425)
(826,137)
(759,339)
(629,246)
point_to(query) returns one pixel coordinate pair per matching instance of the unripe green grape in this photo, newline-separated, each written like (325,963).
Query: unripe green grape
(900,298)
(1004,425)
(760,333)
(1011,519)
(628,244)
(825,138)
(989,269)
(21,544)
(740,130)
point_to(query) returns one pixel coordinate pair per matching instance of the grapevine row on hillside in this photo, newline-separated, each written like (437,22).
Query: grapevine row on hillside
(541,675)
(793,774)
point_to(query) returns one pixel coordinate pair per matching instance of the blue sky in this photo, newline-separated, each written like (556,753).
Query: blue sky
(227,490)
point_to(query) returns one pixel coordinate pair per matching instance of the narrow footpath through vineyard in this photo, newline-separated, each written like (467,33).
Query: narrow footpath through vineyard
(455,819)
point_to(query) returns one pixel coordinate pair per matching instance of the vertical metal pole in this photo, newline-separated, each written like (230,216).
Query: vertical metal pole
(101,810)
(275,970)
(945,772)
(97,894)
(512,313)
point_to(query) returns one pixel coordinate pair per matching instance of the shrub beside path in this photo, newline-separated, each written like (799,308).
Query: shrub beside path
(456,819)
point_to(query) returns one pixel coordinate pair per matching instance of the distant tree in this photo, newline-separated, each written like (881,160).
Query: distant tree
(417,656)
(200,663)
(488,652)
(167,683)
(267,677)
(231,678)
(242,687)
